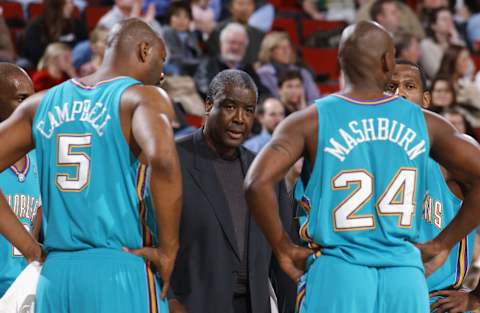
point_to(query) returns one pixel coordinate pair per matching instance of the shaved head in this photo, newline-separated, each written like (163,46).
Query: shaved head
(135,48)
(15,86)
(367,53)
(130,31)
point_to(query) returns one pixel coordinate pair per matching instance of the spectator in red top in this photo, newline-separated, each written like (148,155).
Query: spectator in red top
(54,67)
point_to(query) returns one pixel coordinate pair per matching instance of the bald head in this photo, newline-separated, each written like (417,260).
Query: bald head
(133,47)
(367,53)
(15,86)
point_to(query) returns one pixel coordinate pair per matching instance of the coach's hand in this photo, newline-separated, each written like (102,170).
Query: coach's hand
(433,255)
(292,259)
(164,262)
(175,306)
(454,301)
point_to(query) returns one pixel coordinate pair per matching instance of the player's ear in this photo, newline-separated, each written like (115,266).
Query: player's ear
(388,62)
(426,99)
(208,105)
(144,50)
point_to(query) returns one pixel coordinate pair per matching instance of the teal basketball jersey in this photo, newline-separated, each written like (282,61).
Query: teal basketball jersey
(92,185)
(439,208)
(22,191)
(360,201)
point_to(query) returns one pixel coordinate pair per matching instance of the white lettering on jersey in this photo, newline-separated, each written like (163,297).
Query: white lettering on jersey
(380,129)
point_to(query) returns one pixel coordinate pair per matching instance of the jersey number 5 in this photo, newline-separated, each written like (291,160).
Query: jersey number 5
(80,160)
(397,200)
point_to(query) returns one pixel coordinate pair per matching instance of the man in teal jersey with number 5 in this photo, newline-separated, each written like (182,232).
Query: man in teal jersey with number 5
(94,137)
(368,157)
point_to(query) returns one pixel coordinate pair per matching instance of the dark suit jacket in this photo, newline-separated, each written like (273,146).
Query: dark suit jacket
(203,278)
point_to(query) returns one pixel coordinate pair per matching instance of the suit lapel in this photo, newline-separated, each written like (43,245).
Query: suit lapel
(206,178)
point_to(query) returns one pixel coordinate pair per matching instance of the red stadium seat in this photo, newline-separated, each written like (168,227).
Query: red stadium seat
(93,15)
(286,5)
(328,88)
(12,12)
(288,25)
(35,9)
(412,4)
(310,26)
(193,120)
(323,61)
(476,59)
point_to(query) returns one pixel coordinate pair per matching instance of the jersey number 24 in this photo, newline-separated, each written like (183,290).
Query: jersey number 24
(398,199)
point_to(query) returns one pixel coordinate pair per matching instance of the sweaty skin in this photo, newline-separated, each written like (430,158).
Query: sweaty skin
(367,61)
(133,50)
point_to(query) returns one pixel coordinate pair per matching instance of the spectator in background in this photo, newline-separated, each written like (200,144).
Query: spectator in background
(408,20)
(277,57)
(203,17)
(7,52)
(233,45)
(263,16)
(330,10)
(425,8)
(443,94)
(454,116)
(458,64)
(241,11)
(124,9)
(160,9)
(407,47)
(387,14)
(55,24)
(473,24)
(184,53)
(98,41)
(459,67)
(270,113)
(441,33)
(54,67)
(292,92)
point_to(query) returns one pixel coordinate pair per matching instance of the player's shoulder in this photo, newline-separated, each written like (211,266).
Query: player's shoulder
(145,92)
(30,105)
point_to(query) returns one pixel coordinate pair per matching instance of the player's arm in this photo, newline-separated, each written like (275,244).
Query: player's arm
(461,158)
(153,133)
(267,170)
(17,141)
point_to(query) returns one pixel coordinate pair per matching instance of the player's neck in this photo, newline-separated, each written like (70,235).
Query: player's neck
(101,74)
(364,91)
(20,164)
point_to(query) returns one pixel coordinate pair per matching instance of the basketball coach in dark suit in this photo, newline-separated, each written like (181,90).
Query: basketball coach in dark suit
(224,261)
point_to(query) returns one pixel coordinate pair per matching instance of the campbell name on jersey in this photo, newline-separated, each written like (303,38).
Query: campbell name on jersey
(94,114)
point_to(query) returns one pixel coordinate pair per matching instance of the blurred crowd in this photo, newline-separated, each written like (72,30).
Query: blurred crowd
(289,47)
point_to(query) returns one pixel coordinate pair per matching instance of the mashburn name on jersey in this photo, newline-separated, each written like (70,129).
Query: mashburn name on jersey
(375,129)
(85,111)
